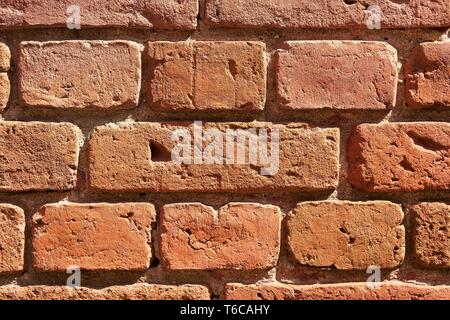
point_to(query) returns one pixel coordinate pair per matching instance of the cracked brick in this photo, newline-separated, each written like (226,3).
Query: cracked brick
(242,236)
(93,236)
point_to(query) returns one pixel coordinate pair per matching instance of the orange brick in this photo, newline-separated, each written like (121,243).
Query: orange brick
(238,236)
(38,156)
(390,290)
(152,14)
(336,75)
(137,158)
(92,236)
(432,234)
(291,14)
(214,76)
(427,75)
(400,157)
(50,74)
(130,292)
(12,238)
(347,235)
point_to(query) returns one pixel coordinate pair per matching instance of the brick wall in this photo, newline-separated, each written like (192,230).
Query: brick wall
(88,179)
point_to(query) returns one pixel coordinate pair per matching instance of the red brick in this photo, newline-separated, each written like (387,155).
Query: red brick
(427,75)
(50,74)
(325,14)
(214,76)
(38,156)
(336,75)
(347,235)
(120,160)
(149,14)
(400,157)
(12,238)
(5,58)
(432,234)
(263,291)
(238,236)
(5,88)
(92,236)
(131,292)
(390,290)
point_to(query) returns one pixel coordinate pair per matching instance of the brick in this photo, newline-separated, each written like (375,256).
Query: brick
(12,239)
(50,74)
(5,58)
(242,236)
(327,14)
(38,156)
(130,292)
(150,14)
(432,234)
(215,76)
(263,291)
(400,157)
(390,290)
(336,75)
(347,235)
(136,157)
(92,236)
(5,88)
(427,76)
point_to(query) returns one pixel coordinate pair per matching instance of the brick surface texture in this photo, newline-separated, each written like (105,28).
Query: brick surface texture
(224,149)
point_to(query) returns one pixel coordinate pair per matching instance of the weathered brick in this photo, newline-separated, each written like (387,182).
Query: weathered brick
(149,14)
(241,236)
(347,235)
(12,238)
(5,58)
(50,74)
(399,157)
(336,74)
(136,157)
(38,156)
(327,14)
(263,291)
(5,88)
(432,234)
(130,292)
(427,75)
(92,236)
(207,76)
(390,290)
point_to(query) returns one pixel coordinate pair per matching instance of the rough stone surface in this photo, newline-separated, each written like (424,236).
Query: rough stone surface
(328,14)
(5,58)
(347,235)
(432,234)
(148,14)
(390,290)
(12,238)
(427,75)
(5,88)
(131,292)
(137,158)
(238,236)
(50,74)
(207,75)
(400,157)
(336,75)
(92,236)
(37,156)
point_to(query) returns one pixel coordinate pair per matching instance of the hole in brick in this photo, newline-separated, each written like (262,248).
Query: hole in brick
(159,153)
(233,67)
(350,2)
(155,263)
